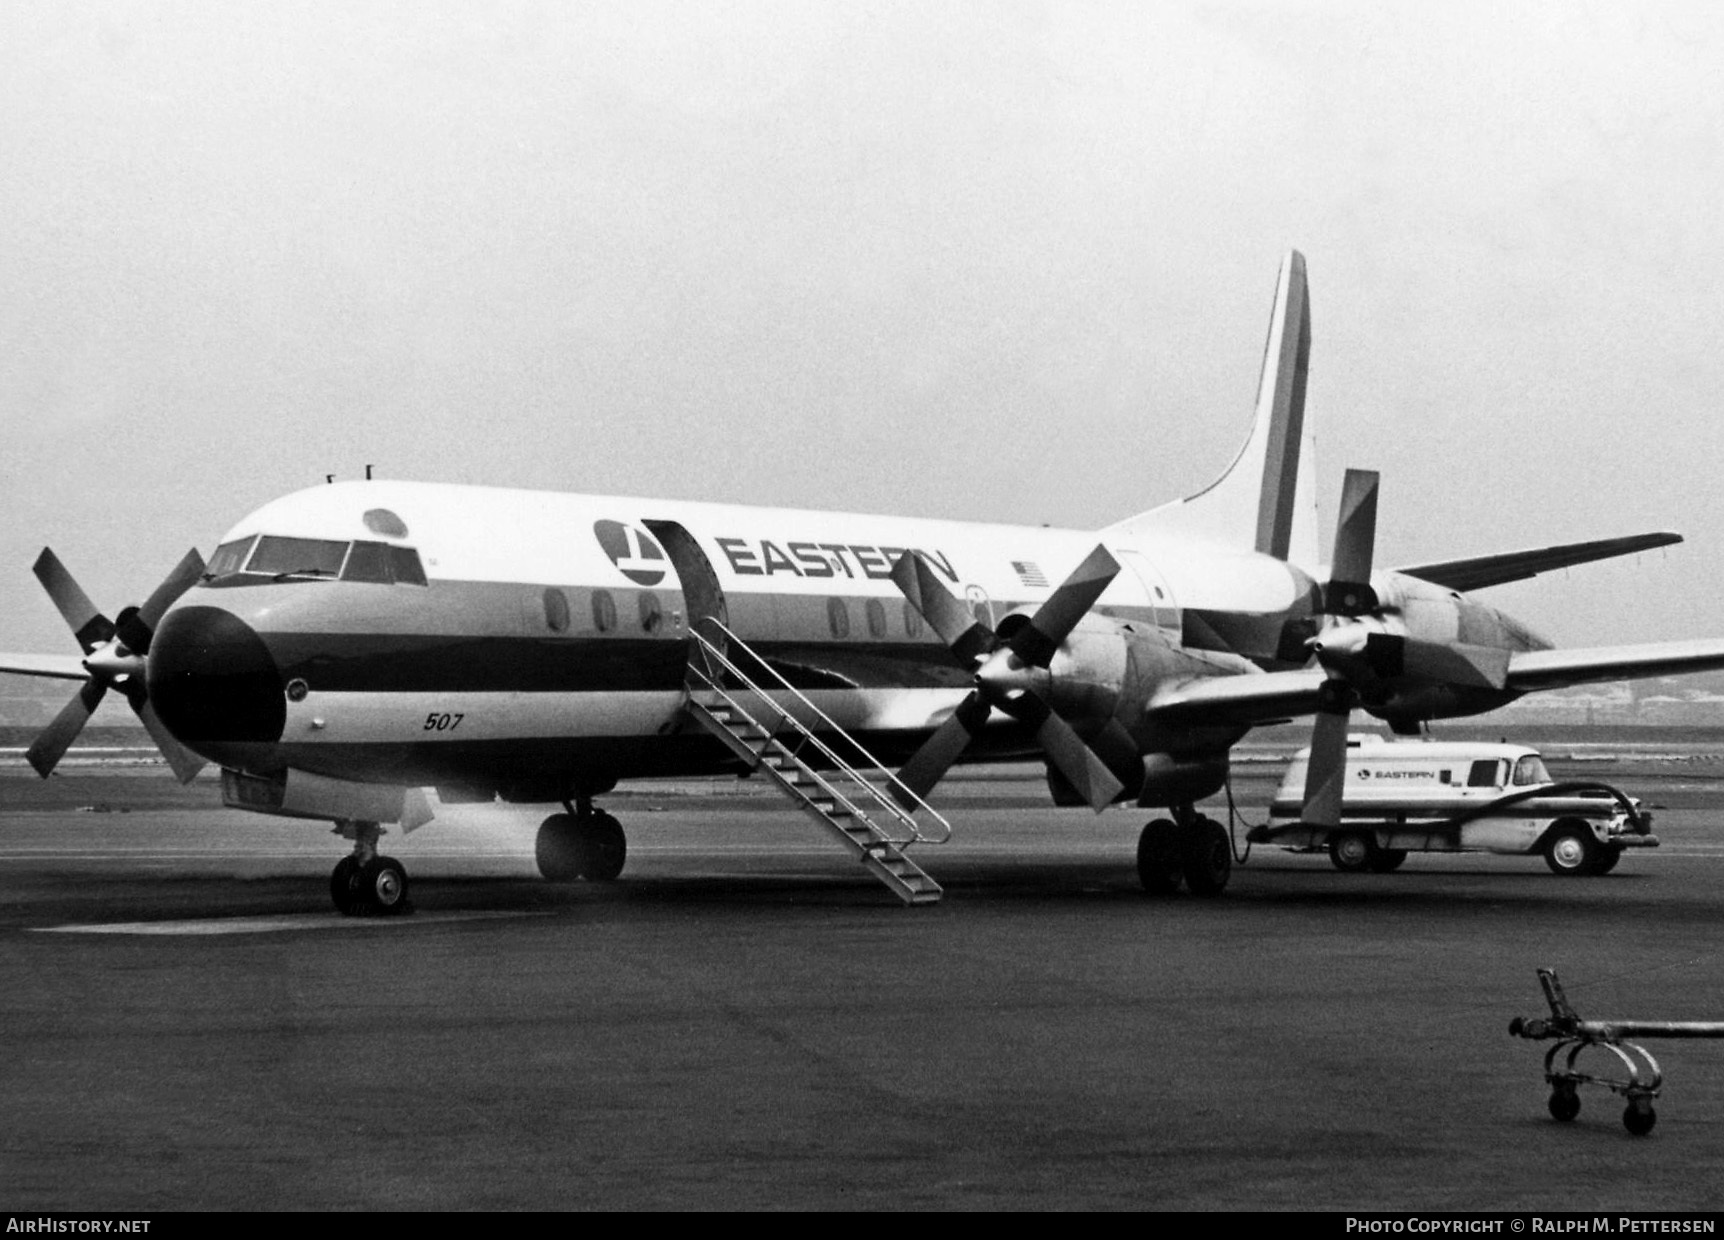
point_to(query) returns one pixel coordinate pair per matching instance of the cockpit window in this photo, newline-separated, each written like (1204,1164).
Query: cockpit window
(297,557)
(1530,770)
(228,558)
(379,562)
(279,558)
(404,563)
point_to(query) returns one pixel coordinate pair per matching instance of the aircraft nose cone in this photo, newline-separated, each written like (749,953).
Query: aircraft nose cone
(212,680)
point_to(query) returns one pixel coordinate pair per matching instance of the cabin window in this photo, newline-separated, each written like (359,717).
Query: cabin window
(876,613)
(652,618)
(556,610)
(912,621)
(604,611)
(1530,770)
(228,558)
(838,617)
(297,557)
(1484,774)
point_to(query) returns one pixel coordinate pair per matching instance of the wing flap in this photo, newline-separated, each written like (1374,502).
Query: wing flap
(1495,570)
(1557,669)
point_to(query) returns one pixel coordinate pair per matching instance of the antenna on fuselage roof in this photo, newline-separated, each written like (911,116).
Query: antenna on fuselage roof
(368,473)
(329,478)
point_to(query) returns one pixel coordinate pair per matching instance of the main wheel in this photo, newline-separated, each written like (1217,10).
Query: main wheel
(1571,849)
(341,885)
(1639,1118)
(561,849)
(382,887)
(1353,852)
(1608,856)
(1387,860)
(1206,857)
(1564,1102)
(607,848)
(1158,861)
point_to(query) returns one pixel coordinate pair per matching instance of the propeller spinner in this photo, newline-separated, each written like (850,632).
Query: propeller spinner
(114,654)
(1011,673)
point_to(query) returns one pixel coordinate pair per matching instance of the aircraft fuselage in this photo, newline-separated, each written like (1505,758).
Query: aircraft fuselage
(533,644)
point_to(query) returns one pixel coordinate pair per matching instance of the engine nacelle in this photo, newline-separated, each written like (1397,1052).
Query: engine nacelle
(1168,780)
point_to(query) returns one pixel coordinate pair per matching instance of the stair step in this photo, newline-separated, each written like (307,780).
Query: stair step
(774,745)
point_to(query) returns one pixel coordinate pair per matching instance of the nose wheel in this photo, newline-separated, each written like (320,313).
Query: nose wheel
(365,883)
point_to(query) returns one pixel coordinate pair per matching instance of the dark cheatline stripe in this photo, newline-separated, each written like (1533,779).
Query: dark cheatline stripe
(401,663)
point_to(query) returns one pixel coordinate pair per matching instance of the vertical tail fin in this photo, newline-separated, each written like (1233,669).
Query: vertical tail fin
(1266,499)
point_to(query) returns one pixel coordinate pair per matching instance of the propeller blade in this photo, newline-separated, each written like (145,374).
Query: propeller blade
(1326,769)
(184,762)
(89,625)
(929,763)
(136,627)
(1348,591)
(946,613)
(1077,762)
(54,740)
(1036,641)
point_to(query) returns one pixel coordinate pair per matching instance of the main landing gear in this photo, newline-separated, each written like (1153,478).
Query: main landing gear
(1191,848)
(584,843)
(365,882)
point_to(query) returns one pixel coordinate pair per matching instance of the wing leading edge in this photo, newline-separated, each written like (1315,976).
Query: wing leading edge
(1274,697)
(1495,570)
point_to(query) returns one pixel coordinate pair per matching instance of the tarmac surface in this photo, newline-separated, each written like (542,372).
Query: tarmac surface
(747,1020)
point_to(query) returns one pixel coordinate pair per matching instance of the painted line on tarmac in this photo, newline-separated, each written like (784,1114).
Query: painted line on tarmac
(269,925)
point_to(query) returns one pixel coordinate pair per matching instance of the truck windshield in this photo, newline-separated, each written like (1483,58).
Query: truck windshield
(1530,770)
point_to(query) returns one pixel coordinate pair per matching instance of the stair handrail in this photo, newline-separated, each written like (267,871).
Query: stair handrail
(890,803)
(824,786)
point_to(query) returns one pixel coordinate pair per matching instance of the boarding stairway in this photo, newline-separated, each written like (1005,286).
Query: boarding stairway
(774,730)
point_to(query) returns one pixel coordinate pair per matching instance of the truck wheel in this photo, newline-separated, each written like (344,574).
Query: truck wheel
(1608,856)
(1570,849)
(1353,852)
(1388,859)
(1564,1102)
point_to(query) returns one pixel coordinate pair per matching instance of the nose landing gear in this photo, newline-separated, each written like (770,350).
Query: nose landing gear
(365,882)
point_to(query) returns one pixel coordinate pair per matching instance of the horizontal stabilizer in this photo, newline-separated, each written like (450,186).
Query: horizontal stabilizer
(1494,570)
(54,666)
(1557,669)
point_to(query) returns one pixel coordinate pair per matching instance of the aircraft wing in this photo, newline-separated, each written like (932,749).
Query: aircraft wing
(1272,697)
(1557,669)
(57,666)
(1494,570)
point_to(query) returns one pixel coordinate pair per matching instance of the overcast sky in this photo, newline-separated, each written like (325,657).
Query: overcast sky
(992,261)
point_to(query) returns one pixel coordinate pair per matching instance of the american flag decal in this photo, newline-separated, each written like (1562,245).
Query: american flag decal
(1029,574)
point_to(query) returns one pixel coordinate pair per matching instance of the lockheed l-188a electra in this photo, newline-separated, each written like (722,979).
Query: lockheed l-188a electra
(350,646)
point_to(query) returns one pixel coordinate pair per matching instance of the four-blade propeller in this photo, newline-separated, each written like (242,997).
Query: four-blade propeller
(114,655)
(1011,673)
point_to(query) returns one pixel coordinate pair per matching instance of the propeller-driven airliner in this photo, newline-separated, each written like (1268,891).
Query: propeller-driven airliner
(349,646)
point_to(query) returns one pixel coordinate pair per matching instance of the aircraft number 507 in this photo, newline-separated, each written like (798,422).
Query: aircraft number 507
(444,722)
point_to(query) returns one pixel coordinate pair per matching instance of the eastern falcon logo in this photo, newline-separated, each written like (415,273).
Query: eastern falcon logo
(633,551)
